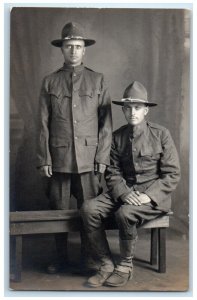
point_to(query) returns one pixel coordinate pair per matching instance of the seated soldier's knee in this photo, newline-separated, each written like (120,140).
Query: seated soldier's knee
(88,208)
(90,216)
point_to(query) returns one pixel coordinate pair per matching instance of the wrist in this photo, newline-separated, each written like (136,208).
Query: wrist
(99,168)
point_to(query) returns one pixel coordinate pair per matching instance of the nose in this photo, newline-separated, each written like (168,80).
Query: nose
(132,111)
(73,48)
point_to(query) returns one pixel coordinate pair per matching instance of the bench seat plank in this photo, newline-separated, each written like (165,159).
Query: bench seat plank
(26,216)
(38,222)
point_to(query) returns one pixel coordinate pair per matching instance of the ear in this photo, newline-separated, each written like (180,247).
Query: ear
(84,50)
(146,110)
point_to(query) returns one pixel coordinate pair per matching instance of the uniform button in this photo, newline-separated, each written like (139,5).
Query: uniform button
(76,137)
(134,149)
(74,74)
(136,164)
(75,121)
(74,105)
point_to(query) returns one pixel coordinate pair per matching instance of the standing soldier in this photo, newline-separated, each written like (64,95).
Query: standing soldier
(74,132)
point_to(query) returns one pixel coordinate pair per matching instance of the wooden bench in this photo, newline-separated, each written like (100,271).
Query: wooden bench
(61,221)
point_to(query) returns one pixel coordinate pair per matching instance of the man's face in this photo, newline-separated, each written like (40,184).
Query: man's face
(73,51)
(134,113)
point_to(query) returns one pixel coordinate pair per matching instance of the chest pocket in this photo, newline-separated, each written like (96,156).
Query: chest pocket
(89,99)
(150,156)
(60,100)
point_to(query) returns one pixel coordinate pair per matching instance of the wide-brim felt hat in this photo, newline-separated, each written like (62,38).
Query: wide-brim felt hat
(135,93)
(73,31)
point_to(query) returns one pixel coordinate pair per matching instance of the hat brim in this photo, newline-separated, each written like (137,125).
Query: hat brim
(121,103)
(58,43)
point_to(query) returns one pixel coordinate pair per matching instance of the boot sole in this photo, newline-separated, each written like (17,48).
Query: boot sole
(96,285)
(115,285)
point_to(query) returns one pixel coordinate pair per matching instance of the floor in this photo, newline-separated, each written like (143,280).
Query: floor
(39,250)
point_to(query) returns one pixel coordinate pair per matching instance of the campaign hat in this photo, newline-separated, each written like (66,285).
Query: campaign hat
(73,31)
(135,93)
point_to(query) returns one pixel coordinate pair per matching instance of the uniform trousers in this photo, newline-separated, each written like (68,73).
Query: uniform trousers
(83,187)
(128,217)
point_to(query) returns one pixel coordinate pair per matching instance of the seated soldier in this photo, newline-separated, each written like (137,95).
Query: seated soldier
(143,172)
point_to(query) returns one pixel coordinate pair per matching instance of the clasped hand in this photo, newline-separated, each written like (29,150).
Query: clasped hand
(136,198)
(46,171)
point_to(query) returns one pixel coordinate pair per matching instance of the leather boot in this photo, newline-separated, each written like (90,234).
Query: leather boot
(100,248)
(124,270)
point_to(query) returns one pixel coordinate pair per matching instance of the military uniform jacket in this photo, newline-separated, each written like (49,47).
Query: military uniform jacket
(144,160)
(75,122)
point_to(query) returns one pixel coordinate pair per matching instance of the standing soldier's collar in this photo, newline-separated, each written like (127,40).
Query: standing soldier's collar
(76,69)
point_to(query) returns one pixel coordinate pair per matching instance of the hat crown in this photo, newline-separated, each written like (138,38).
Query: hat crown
(136,91)
(72,29)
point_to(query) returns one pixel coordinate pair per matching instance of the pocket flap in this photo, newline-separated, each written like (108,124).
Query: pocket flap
(86,92)
(91,141)
(59,93)
(150,150)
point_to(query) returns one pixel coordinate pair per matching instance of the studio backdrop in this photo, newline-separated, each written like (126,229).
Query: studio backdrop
(147,45)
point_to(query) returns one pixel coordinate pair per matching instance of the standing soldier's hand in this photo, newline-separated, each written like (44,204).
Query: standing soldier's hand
(46,171)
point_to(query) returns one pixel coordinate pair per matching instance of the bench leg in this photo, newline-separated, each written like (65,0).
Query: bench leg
(162,250)
(154,244)
(17,258)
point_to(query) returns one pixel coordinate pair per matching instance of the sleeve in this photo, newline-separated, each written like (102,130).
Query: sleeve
(44,112)
(104,126)
(114,175)
(169,169)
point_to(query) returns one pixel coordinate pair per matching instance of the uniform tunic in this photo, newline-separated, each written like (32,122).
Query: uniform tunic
(75,123)
(144,158)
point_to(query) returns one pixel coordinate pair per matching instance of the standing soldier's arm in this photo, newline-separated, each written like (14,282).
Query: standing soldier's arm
(105,129)
(43,154)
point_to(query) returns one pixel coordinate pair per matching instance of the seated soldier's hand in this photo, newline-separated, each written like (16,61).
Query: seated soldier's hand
(45,171)
(135,198)
(144,198)
(132,198)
